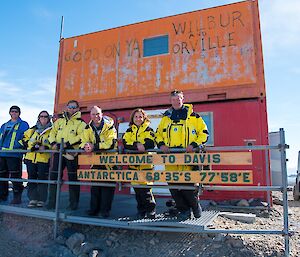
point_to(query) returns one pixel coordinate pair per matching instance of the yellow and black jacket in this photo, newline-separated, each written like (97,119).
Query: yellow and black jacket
(32,138)
(188,128)
(102,140)
(70,129)
(144,135)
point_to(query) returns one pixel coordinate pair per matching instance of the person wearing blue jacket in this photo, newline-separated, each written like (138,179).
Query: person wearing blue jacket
(11,133)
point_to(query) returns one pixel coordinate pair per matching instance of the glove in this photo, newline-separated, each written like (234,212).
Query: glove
(36,147)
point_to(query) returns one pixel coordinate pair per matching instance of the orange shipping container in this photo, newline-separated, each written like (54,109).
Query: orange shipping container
(211,54)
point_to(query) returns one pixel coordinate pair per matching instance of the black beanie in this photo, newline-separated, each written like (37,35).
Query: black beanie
(15,107)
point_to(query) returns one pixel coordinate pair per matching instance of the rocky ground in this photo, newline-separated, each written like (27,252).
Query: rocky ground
(23,236)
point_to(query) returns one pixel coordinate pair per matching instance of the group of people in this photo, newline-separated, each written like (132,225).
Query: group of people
(180,127)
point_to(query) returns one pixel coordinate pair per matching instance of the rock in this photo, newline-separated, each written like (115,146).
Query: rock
(75,240)
(76,250)
(60,240)
(86,247)
(152,241)
(109,242)
(242,217)
(257,202)
(60,251)
(83,255)
(277,201)
(264,204)
(113,233)
(242,203)
(112,237)
(97,253)
(216,246)
(235,242)
(219,238)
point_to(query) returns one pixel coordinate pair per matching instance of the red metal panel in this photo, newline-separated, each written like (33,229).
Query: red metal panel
(234,122)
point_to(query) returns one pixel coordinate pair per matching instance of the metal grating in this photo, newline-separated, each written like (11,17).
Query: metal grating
(205,220)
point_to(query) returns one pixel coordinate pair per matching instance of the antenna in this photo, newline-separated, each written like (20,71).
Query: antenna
(61,28)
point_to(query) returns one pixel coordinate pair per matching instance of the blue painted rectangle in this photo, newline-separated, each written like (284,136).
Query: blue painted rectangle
(156,45)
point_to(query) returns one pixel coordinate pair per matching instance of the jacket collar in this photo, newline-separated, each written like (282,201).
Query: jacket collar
(189,107)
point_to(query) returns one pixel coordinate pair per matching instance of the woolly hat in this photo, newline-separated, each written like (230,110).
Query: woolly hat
(15,107)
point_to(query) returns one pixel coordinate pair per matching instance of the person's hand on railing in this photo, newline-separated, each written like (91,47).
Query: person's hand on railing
(140,147)
(190,149)
(36,147)
(165,149)
(88,147)
(55,146)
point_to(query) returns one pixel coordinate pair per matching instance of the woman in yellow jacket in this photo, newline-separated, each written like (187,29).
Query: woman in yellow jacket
(140,137)
(36,138)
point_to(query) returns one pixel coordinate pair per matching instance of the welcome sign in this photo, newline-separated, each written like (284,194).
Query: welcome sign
(178,175)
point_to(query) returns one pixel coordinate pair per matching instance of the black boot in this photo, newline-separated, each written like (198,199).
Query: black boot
(197,211)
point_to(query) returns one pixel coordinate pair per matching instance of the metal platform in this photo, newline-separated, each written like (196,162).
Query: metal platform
(162,220)
(160,223)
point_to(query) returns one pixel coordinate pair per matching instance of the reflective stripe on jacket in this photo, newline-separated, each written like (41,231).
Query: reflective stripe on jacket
(9,140)
(33,137)
(181,133)
(70,129)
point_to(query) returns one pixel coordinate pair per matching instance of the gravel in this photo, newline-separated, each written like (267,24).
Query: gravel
(24,236)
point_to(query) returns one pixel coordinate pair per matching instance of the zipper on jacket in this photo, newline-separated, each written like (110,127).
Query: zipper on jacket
(136,136)
(187,134)
(35,154)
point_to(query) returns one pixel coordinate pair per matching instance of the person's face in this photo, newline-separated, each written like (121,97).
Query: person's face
(177,101)
(44,118)
(96,116)
(138,118)
(14,114)
(72,108)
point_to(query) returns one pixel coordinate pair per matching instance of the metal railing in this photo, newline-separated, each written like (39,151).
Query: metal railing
(59,216)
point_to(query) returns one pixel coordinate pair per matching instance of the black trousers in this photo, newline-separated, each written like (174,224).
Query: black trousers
(101,196)
(185,200)
(10,167)
(145,200)
(74,190)
(38,171)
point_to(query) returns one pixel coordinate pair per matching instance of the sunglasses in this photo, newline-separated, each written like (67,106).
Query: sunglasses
(44,116)
(14,111)
(176,92)
(72,107)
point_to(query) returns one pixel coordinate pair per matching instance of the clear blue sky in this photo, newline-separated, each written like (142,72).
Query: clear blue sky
(29,49)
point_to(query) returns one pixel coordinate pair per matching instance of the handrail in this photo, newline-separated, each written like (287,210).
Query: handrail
(281,147)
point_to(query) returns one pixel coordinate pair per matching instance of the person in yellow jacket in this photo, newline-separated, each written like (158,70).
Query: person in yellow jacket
(140,137)
(37,163)
(180,127)
(100,134)
(70,128)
